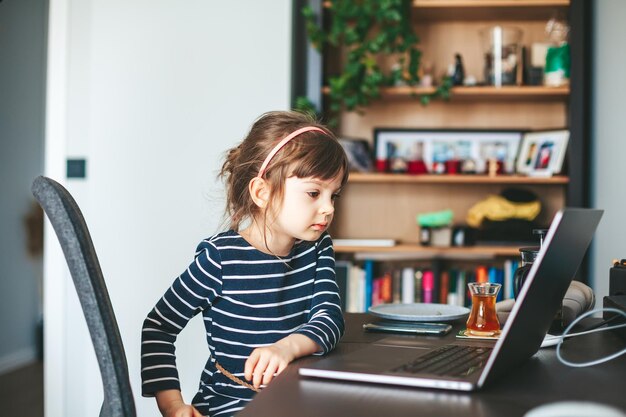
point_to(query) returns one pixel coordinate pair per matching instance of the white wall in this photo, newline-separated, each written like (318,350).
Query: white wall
(22,75)
(151,93)
(609,131)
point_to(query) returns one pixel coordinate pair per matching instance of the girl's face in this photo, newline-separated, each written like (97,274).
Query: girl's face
(307,209)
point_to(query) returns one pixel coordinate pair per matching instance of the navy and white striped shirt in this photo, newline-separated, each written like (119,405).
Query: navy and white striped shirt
(248,299)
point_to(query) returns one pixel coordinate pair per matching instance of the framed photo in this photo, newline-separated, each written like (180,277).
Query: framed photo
(359,154)
(542,153)
(445,151)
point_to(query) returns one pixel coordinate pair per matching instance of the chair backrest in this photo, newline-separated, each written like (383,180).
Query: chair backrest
(71,230)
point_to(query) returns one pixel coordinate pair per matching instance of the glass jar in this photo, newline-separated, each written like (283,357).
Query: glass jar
(528,254)
(502,49)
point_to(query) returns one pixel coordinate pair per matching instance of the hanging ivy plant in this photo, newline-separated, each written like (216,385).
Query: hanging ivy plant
(367,30)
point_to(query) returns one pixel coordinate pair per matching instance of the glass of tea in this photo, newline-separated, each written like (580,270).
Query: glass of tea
(483,320)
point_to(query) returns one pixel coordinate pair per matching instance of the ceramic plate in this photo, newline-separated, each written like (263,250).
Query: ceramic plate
(419,312)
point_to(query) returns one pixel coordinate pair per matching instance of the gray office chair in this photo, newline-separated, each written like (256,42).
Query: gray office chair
(69,224)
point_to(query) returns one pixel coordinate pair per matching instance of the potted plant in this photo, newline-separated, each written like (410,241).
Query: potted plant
(368,32)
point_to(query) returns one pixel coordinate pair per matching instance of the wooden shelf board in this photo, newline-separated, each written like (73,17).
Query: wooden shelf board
(479,92)
(489,3)
(356,177)
(482,3)
(418,251)
(468,10)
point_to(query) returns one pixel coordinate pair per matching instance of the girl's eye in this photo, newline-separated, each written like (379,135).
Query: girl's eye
(313,194)
(335,196)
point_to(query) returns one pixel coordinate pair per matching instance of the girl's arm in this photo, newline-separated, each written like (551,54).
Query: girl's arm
(325,325)
(193,291)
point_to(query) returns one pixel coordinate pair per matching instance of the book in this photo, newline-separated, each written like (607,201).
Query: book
(428,287)
(342,272)
(444,284)
(452,298)
(369,278)
(461,288)
(355,290)
(374,243)
(509,272)
(418,286)
(481,274)
(396,286)
(408,286)
(386,288)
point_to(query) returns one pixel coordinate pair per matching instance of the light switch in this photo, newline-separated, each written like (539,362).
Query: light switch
(76,168)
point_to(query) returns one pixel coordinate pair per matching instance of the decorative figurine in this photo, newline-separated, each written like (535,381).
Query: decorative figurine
(426,78)
(492,167)
(468,166)
(416,164)
(459,72)
(558,54)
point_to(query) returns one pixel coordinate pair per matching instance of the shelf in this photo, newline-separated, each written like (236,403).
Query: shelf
(408,251)
(434,10)
(482,4)
(356,177)
(517,93)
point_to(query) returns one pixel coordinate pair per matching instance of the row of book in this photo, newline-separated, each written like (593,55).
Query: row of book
(364,284)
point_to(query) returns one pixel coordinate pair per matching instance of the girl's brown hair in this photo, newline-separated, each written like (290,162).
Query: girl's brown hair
(310,154)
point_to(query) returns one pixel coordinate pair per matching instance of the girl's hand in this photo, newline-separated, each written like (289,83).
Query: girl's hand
(264,362)
(171,404)
(181,410)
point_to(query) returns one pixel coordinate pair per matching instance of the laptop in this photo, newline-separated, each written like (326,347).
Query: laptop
(465,364)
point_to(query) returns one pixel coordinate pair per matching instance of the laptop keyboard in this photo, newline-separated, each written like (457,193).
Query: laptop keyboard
(448,360)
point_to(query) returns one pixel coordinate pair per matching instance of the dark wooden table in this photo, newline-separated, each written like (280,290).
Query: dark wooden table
(542,379)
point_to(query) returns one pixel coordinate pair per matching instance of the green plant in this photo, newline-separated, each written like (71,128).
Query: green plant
(368,30)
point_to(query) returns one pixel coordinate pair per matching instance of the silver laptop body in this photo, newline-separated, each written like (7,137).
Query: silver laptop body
(384,362)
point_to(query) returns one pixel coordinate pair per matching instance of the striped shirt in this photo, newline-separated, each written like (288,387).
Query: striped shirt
(248,299)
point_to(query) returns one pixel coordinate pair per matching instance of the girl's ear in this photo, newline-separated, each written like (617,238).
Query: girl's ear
(259,190)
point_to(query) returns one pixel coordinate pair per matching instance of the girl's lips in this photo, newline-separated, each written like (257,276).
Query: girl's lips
(319,226)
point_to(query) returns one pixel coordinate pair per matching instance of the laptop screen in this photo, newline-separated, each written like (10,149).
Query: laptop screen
(541,295)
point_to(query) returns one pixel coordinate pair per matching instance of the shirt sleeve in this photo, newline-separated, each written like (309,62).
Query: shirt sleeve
(325,325)
(193,291)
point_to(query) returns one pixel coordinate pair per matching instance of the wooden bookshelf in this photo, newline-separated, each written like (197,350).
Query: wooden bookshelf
(385,205)
(356,177)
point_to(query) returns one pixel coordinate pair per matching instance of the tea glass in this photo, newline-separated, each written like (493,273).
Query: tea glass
(483,320)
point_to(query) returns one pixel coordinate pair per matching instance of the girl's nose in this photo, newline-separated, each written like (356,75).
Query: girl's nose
(327,208)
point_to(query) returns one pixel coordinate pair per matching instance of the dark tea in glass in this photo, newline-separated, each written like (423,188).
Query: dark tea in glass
(483,320)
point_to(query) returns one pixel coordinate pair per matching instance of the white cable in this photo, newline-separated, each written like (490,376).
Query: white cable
(564,336)
(597,361)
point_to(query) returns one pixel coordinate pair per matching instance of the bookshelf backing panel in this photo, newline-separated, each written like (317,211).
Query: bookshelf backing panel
(409,113)
(439,42)
(389,210)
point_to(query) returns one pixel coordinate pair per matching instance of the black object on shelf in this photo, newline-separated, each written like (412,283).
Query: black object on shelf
(459,71)
(529,254)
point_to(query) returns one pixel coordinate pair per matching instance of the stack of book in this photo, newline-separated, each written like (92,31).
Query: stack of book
(365,284)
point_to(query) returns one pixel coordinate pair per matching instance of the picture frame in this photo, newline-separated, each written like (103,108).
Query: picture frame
(445,151)
(542,153)
(359,154)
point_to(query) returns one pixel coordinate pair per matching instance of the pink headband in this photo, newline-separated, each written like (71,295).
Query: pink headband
(283,143)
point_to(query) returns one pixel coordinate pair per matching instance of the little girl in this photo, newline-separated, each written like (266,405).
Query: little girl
(266,288)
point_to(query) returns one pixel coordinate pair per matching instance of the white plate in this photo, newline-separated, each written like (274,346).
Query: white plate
(419,312)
